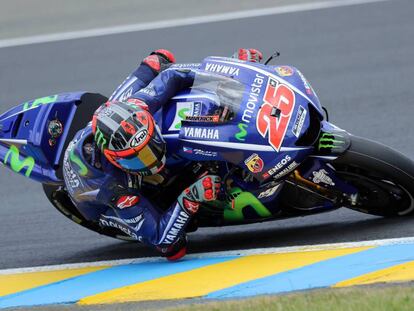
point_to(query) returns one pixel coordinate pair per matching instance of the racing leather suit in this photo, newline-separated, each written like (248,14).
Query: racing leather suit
(105,194)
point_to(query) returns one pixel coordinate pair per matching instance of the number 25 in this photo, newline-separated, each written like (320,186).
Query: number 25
(277,96)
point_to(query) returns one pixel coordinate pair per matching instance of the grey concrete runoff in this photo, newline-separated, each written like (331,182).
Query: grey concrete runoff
(358,58)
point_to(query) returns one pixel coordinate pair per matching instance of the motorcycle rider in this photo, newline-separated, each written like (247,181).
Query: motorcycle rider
(108,162)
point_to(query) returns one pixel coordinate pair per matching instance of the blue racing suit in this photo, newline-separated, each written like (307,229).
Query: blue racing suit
(111,197)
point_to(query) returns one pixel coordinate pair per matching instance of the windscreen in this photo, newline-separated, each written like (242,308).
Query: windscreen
(224,93)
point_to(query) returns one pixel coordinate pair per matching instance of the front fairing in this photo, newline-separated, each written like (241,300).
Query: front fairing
(242,89)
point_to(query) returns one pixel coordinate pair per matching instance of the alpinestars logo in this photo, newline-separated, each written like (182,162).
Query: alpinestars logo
(127,201)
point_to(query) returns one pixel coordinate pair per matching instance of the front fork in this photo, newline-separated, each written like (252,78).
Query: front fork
(319,174)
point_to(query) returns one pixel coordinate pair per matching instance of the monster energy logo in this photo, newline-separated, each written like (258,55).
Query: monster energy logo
(100,140)
(16,164)
(329,141)
(182,114)
(40,101)
(242,133)
(242,200)
(83,170)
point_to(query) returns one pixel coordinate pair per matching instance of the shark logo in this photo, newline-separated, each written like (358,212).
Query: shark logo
(16,164)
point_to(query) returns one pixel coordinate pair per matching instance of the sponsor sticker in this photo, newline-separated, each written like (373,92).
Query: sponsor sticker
(242,133)
(127,94)
(176,228)
(281,173)
(322,176)
(127,201)
(183,109)
(222,69)
(306,84)
(181,66)
(254,163)
(282,163)
(252,100)
(268,192)
(213,119)
(299,121)
(114,222)
(284,71)
(203,133)
(191,206)
(139,138)
(71,178)
(128,127)
(205,153)
(149,90)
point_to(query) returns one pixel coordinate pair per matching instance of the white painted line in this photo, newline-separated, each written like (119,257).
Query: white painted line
(96,32)
(244,252)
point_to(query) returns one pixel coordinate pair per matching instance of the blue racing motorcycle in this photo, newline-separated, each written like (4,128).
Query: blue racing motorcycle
(260,127)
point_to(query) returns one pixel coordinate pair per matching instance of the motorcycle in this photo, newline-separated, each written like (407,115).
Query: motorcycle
(260,127)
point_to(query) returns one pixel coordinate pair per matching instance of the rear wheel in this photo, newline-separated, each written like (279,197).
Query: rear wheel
(383,176)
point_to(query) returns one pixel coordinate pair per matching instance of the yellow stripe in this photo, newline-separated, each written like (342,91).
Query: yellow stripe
(146,156)
(13,283)
(200,282)
(398,273)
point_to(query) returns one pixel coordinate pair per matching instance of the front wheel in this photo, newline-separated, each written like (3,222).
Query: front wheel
(383,176)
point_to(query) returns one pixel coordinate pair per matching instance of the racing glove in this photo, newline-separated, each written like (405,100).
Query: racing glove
(250,55)
(203,190)
(159,60)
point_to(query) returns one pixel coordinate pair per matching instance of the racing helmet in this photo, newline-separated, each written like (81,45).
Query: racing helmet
(129,137)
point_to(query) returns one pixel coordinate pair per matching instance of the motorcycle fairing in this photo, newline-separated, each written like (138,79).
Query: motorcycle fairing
(239,139)
(31,146)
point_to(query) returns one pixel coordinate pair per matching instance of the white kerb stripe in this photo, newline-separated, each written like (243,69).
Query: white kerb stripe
(97,32)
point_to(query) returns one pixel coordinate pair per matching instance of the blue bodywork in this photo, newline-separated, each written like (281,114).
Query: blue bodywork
(28,147)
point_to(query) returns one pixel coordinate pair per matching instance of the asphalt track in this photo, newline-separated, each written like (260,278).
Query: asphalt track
(358,58)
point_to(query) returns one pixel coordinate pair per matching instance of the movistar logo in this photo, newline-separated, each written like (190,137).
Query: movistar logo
(242,133)
(329,141)
(182,114)
(83,170)
(100,140)
(40,101)
(16,164)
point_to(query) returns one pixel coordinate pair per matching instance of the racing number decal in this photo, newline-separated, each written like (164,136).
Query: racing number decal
(281,97)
